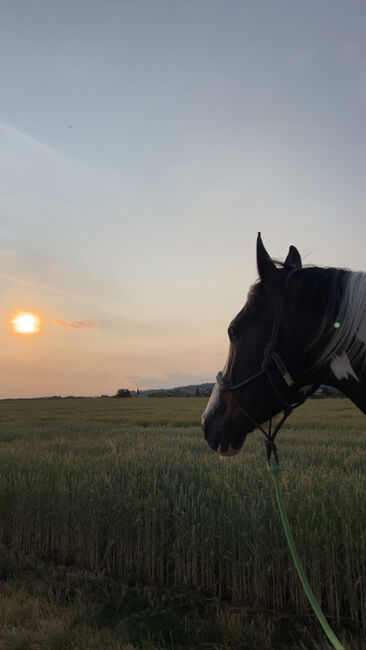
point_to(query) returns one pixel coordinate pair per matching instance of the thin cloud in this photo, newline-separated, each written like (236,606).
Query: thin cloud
(51,153)
(30,140)
(194,351)
(5,234)
(69,324)
(6,253)
(169,380)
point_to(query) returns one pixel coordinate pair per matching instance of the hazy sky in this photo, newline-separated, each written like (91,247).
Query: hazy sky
(142,146)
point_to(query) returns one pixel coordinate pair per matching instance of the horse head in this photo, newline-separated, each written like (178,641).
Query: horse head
(299,328)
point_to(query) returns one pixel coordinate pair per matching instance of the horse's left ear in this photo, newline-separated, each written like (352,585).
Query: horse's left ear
(266,268)
(293,259)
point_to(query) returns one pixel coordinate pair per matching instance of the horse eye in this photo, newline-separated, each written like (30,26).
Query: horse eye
(232,333)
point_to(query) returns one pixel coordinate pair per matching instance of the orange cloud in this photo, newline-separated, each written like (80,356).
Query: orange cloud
(69,324)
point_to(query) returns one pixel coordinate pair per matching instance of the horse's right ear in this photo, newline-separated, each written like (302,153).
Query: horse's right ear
(266,268)
(293,259)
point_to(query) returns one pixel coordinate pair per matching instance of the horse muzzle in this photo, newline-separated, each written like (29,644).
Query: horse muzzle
(220,438)
(230,451)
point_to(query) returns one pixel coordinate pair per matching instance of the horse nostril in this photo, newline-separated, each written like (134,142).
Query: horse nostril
(232,333)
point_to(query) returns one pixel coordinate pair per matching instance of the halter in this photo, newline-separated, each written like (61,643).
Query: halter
(270,356)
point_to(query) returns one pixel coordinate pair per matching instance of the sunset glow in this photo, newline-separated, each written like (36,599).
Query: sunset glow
(26,323)
(135,188)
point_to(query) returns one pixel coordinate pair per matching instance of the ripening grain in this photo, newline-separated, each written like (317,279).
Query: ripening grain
(88,483)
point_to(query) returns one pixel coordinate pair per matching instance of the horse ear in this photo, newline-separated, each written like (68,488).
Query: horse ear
(266,267)
(293,259)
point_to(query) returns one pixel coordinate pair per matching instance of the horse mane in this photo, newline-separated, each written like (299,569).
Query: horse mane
(340,295)
(350,335)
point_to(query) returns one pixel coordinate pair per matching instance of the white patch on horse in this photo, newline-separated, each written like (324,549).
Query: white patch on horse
(214,401)
(352,321)
(341,367)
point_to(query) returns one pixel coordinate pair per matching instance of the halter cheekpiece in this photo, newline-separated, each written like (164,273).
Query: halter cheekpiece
(270,357)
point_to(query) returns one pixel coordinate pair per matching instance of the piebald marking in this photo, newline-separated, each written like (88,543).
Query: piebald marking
(341,367)
(214,401)
(343,349)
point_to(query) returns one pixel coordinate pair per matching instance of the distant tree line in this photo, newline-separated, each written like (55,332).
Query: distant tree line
(122,392)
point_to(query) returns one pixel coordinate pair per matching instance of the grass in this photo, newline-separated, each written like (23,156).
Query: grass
(120,529)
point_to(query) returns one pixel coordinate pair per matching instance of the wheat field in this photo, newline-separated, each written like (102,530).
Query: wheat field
(119,522)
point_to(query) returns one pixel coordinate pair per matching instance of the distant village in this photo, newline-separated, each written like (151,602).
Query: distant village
(204,390)
(192,390)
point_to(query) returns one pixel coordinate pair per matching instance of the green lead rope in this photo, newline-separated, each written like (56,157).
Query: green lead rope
(275,470)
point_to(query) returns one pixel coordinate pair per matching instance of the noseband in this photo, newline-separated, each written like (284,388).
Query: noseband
(270,358)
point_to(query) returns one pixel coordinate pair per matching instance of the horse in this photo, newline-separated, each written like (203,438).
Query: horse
(301,327)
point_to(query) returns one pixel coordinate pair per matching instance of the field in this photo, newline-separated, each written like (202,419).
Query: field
(120,529)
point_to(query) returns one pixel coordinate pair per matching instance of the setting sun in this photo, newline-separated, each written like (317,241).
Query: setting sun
(26,323)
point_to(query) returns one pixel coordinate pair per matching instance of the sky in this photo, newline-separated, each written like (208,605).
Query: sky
(142,147)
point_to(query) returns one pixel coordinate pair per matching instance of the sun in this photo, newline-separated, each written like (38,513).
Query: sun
(26,323)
